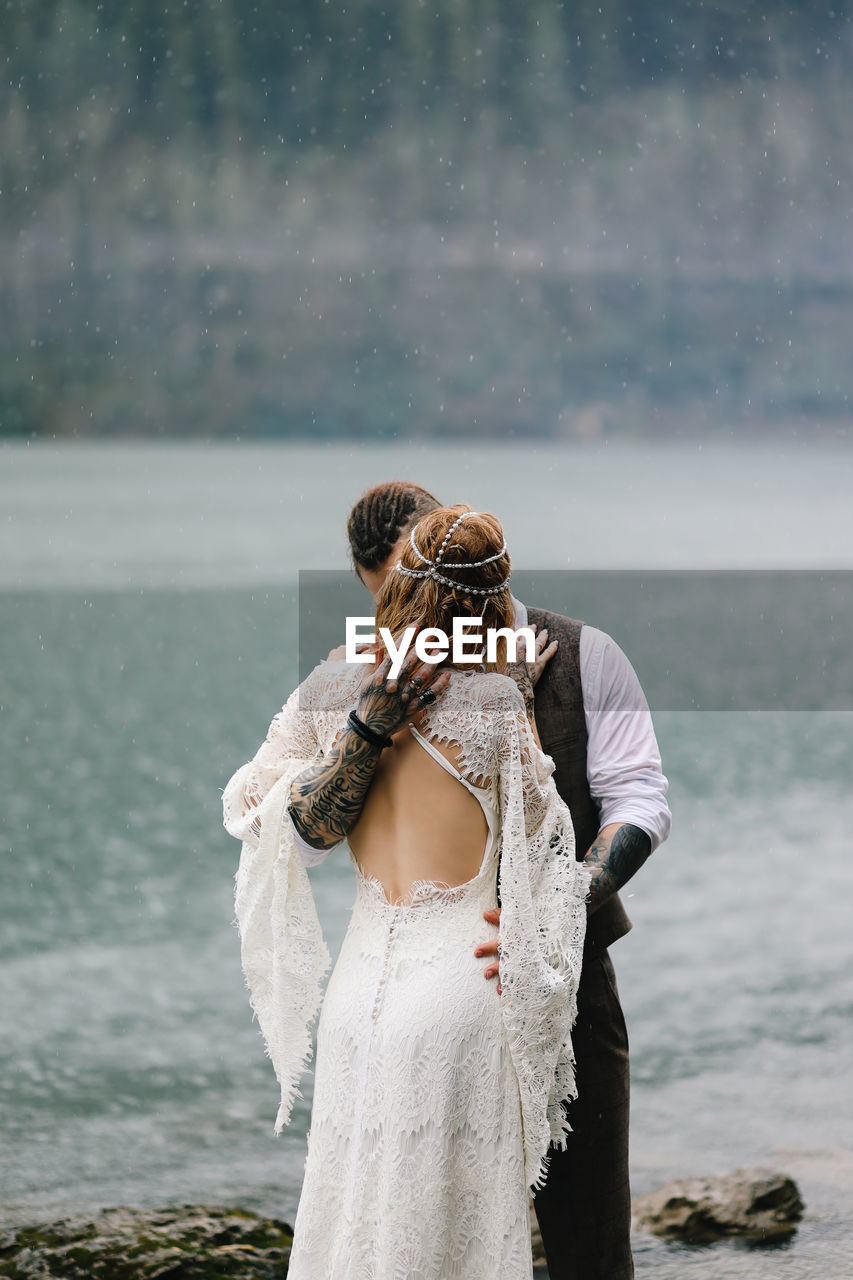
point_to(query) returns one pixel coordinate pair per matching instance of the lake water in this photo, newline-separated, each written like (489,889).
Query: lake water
(149,633)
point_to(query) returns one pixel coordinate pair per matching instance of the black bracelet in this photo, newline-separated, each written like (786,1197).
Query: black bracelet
(369,735)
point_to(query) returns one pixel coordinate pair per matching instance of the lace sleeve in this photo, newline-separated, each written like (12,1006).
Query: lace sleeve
(543,924)
(282,950)
(291,735)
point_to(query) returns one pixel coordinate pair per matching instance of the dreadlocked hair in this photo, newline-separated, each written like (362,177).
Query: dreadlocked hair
(425,602)
(380,516)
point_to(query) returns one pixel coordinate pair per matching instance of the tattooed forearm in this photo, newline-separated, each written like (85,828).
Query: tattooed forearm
(326,800)
(616,853)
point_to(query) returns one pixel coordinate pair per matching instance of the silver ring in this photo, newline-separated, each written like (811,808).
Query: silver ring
(426,698)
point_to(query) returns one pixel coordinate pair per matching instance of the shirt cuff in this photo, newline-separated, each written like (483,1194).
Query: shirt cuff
(654,817)
(310,856)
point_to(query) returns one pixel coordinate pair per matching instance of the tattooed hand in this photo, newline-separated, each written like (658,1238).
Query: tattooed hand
(526,674)
(326,799)
(544,654)
(385,704)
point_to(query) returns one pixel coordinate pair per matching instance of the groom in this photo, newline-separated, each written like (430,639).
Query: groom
(593,720)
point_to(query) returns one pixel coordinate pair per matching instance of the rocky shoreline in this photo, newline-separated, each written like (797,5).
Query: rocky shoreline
(197,1242)
(185,1242)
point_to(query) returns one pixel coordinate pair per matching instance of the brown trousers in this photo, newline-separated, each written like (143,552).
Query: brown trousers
(584,1209)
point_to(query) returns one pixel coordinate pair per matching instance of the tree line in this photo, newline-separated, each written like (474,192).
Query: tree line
(309,72)
(278,215)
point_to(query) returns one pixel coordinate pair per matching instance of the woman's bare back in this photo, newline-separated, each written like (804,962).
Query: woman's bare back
(418,821)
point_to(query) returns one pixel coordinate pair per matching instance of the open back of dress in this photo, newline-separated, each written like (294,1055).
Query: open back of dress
(416,1107)
(482,795)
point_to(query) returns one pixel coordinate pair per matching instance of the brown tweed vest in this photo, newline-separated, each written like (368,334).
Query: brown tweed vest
(562,730)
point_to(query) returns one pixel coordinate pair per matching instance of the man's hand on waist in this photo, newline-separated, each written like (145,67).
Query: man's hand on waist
(490,948)
(617,852)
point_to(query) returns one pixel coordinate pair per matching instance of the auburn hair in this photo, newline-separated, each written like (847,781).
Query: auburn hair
(424,602)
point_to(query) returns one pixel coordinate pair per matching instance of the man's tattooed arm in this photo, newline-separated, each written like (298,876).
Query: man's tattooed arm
(326,800)
(617,852)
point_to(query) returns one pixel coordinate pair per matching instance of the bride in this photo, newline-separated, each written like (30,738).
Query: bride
(436,1094)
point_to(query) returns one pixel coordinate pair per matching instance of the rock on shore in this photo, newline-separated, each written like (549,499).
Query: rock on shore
(187,1242)
(193,1242)
(757,1205)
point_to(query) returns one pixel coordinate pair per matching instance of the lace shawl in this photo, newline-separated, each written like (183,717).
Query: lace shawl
(542,886)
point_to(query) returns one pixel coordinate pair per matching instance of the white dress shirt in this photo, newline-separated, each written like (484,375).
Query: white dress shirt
(623,764)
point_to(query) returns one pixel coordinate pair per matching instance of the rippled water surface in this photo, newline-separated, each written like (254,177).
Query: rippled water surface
(148,636)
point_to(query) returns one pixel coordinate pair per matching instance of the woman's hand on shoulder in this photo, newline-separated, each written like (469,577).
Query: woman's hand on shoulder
(527,674)
(386,703)
(544,654)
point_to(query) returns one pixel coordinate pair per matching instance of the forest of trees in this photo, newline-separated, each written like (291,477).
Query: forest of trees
(307,216)
(309,72)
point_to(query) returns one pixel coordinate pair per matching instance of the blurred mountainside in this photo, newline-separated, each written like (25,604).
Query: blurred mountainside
(449,217)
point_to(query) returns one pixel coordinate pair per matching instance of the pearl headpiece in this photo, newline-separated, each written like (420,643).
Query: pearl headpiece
(431,570)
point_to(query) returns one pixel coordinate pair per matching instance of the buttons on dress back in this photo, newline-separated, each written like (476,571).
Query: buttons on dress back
(386,962)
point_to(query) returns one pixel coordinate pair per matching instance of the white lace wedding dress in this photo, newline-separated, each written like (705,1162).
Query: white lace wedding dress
(435,1099)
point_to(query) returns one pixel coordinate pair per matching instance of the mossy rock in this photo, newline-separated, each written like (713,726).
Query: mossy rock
(187,1242)
(758,1206)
